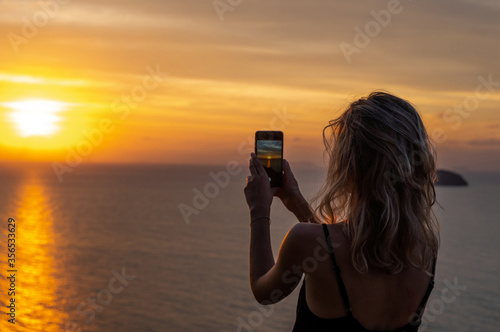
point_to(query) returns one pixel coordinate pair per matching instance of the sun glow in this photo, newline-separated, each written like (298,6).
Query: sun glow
(35,117)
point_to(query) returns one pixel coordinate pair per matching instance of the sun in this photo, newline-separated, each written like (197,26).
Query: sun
(35,117)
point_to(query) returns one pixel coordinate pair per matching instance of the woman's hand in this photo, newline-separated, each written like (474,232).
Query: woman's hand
(258,191)
(259,194)
(292,198)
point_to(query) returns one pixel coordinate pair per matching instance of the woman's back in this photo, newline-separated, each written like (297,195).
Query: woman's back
(379,300)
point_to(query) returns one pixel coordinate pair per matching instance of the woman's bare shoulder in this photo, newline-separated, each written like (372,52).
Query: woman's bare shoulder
(303,235)
(306,230)
(309,235)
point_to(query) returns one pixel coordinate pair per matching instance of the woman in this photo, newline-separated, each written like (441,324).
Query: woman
(369,266)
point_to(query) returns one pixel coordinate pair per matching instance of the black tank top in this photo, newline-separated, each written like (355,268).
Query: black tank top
(306,320)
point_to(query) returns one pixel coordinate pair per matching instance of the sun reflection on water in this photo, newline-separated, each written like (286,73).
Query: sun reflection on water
(38,278)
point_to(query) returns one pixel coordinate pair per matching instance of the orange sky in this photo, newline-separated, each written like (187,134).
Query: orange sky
(202,86)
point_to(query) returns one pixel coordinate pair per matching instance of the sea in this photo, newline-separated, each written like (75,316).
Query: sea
(166,248)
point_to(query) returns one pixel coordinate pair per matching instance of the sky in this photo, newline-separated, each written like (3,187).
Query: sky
(189,82)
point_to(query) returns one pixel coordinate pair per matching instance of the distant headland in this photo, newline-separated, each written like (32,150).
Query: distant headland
(448,178)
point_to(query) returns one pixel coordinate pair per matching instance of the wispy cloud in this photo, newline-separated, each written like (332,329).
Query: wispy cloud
(27,79)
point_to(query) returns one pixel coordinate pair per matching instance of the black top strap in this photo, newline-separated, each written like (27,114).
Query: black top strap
(342,289)
(427,293)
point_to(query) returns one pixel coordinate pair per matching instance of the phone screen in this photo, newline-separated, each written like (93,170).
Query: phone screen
(269,150)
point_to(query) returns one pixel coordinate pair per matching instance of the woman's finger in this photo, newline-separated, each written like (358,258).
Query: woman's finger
(258,165)
(252,168)
(287,171)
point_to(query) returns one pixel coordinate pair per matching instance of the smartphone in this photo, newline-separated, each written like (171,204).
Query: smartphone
(269,150)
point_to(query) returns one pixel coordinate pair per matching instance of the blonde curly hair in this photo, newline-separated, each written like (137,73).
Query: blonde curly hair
(380,181)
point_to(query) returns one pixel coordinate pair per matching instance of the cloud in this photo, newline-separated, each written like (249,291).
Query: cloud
(264,53)
(430,45)
(27,79)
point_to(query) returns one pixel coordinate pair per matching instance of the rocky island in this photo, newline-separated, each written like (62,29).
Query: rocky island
(448,178)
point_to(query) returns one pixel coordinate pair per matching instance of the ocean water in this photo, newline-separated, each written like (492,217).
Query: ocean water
(108,249)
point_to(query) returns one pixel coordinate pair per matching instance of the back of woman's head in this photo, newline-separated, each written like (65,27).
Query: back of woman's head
(381,182)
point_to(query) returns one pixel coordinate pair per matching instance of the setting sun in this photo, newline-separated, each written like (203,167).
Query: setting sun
(35,117)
